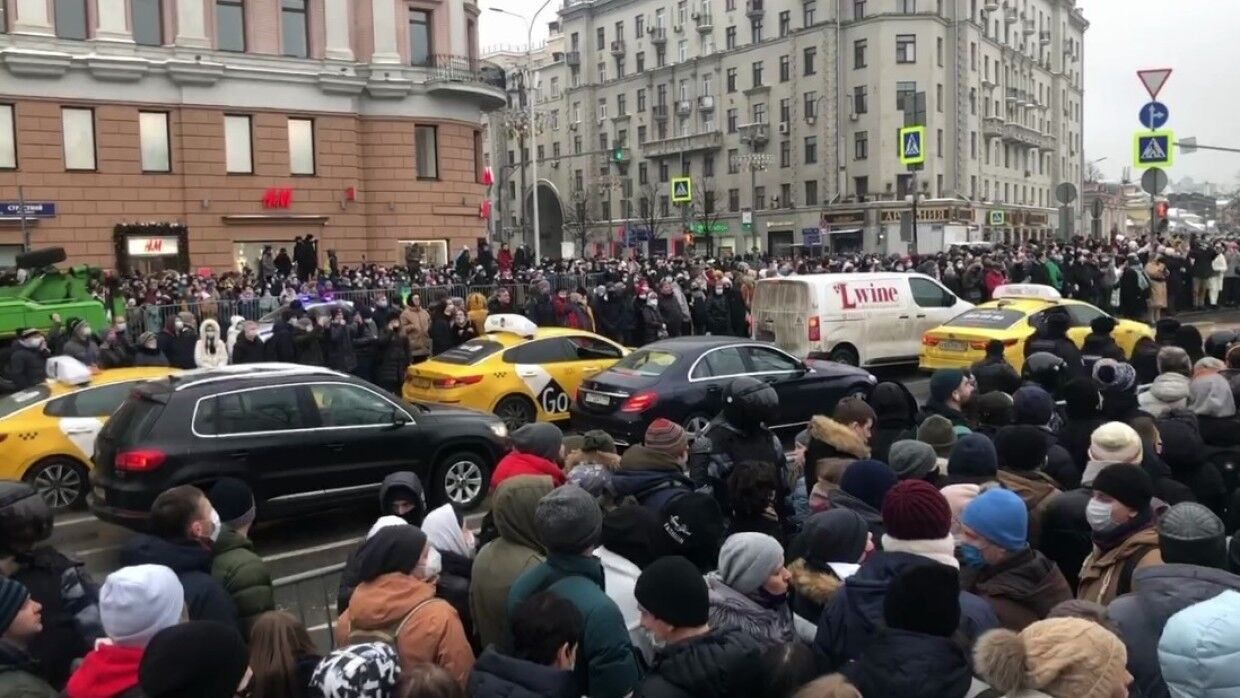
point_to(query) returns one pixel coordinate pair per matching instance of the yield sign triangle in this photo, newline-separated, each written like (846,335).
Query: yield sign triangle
(1153,151)
(1154,80)
(912,146)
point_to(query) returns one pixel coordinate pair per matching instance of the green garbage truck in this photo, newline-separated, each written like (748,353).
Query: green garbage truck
(36,289)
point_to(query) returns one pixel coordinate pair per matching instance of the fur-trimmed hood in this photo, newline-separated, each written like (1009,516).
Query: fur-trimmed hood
(816,586)
(610,461)
(838,437)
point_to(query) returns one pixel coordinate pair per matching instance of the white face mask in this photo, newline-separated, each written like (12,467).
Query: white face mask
(178,325)
(434,565)
(120,327)
(215,525)
(1098,514)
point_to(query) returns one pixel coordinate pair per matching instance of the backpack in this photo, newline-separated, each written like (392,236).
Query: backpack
(388,634)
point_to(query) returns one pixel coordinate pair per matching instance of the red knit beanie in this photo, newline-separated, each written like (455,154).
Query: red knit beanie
(915,510)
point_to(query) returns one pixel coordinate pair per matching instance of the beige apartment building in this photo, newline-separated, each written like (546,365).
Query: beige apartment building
(786,114)
(183,134)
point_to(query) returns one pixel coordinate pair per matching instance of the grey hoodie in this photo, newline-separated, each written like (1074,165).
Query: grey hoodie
(1210,396)
(1168,391)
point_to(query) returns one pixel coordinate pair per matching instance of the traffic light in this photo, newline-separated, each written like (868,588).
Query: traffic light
(619,155)
(1160,216)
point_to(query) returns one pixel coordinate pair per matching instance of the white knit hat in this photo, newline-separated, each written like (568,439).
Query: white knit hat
(1115,442)
(137,602)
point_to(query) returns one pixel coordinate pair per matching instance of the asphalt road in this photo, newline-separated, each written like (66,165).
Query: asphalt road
(313,542)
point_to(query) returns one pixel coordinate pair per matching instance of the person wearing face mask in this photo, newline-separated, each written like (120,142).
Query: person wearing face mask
(396,603)
(401,501)
(1121,515)
(81,344)
(234,564)
(146,352)
(27,365)
(391,356)
(651,327)
(183,529)
(211,351)
(1020,584)
(177,340)
(415,327)
(454,547)
(111,353)
(248,348)
(308,338)
(718,315)
(749,591)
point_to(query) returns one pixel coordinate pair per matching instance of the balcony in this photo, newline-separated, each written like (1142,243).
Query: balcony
(572,58)
(684,107)
(992,127)
(1030,28)
(659,111)
(706,103)
(705,21)
(470,78)
(658,36)
(991,5)
(756,135)
(988,84)
(698,142)
(1009,15)
(755,9)
(1044,38)
(617,49)
(1024,135)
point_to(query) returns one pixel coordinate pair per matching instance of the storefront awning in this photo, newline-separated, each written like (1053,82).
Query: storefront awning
(846,231)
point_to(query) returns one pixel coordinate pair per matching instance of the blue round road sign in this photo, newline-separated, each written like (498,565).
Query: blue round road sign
(1154,115)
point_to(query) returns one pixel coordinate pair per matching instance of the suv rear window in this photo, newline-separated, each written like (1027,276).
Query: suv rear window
(470,352)
(986,318)
(133,420)
(23,398)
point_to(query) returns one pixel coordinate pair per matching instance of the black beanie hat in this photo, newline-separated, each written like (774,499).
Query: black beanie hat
(198,659)
(1127,483)
(635,533)
(1022,447)
(1190,534)
(674,591)
(924,599)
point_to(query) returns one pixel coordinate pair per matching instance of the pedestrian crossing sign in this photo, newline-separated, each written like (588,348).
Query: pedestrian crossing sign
(913,145)
(682,190)
(1153,149)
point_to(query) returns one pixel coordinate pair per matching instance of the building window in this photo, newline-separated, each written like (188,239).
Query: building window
(810,58)
(153,141)
(938,97)
(811,150)
(759,198)
(734,200)
(861,145)
(731,80)
(785,110)
(785,153)
(785,68)
(729,38)
(811,192)
(757,73)
(859,53)
(293,28)
(600,37)
(906,48)
(301,146)
(79,138)
(639,26)
(641,61)
(734,161)
(785,23)
(643,173)
(811,105)
(938,51)
(860,105)
(908,7)
(622,106)
(420,37)
(807,12)
(70,18)
(861,185)
(238,155)
(755,31)
(665,172)
(146,19)
(785,195)
(426,148)
(732,121)
(8,138)
(858,9)
(906,96)
(230,25)
(708,166)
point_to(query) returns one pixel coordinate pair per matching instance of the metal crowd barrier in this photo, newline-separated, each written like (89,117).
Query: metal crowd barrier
(311,596)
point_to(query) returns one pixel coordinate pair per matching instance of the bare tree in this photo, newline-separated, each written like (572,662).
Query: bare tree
(1093,173)
(704,213)
(649,215)
(580,216)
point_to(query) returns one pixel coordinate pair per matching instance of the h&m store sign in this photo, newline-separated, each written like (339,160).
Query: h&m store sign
(151,246)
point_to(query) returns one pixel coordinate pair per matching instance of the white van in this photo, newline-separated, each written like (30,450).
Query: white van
(866,319)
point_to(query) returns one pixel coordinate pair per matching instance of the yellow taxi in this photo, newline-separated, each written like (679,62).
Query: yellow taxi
(47,432)
(1012,317)
(517,370)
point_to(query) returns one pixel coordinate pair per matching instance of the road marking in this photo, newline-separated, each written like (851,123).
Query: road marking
(71,522)
(311,550)
(93,551)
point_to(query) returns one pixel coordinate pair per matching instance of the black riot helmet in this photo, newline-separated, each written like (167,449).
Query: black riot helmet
(1045,369)
(750,403)
(1218,343)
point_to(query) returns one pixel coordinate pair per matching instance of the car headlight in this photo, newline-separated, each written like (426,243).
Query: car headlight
(499,429)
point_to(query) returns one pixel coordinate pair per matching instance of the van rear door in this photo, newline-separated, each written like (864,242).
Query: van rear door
(782,312)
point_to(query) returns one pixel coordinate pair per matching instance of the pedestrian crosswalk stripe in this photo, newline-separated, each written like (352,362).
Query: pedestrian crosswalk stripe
(912,146)
(1153,151)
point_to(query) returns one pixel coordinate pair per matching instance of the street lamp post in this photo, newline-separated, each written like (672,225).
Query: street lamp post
(529,101)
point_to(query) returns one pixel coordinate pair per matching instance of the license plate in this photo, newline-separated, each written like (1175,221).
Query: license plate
(595,399)
(101,495)
(420,382)
(954,345)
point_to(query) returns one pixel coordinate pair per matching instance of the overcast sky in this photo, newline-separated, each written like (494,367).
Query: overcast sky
(1196,38)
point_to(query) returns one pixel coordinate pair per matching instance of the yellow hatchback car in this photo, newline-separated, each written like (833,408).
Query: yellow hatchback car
(517,370)
(47,432)
(1012,317)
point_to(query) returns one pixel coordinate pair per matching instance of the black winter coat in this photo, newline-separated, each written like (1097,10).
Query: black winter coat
(309,347)
(392,358)
(995,373)
(697,309)
(1066,537)
(540,311)
(179,348)
(497,675)
(247,351)
(651,324)
(205,598)
(27,367)
(453,587)
(70,614)
(149,357)
(911,665)
(338,348)
(280,345)
(1061,347)
(441,334)
(736,304)
(720,664)
(669,309)
(719,314)
(607,312)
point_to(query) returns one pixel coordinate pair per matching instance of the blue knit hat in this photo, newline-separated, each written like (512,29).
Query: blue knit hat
(944,382)
(868,480)
(13,595)
(1000,517)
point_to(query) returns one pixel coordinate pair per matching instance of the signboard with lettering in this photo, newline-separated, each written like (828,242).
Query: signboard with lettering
(151,247)
(278,197)
(811,236)
(42,209)
(867,294)
(715,227)
(844,218)
(927,215)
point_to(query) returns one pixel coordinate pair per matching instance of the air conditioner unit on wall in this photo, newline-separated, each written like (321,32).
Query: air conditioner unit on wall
(784,128)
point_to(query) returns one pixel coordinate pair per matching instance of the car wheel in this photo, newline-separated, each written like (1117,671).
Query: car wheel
(695,425)
(515,411)
(61,482)
(844,354)
(462,480)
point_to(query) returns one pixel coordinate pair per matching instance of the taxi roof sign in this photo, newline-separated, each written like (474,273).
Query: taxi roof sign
(1039,292)
(913,145)
(682,190)
(1153,149)
(510,322)
(68,370)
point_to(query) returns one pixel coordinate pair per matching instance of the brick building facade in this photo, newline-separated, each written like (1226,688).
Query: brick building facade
(369,141)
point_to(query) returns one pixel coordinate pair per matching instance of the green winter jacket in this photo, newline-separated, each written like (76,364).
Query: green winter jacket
(17,677)
(606,664)
(243,574)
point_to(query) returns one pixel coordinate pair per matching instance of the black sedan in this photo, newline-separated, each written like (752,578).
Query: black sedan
(685,380)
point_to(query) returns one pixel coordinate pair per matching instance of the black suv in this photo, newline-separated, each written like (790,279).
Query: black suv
(300,436)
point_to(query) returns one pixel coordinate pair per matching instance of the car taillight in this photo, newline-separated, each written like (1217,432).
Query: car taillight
(449,383)
(640,402)
(815,329)
(140,461)
(929,340)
